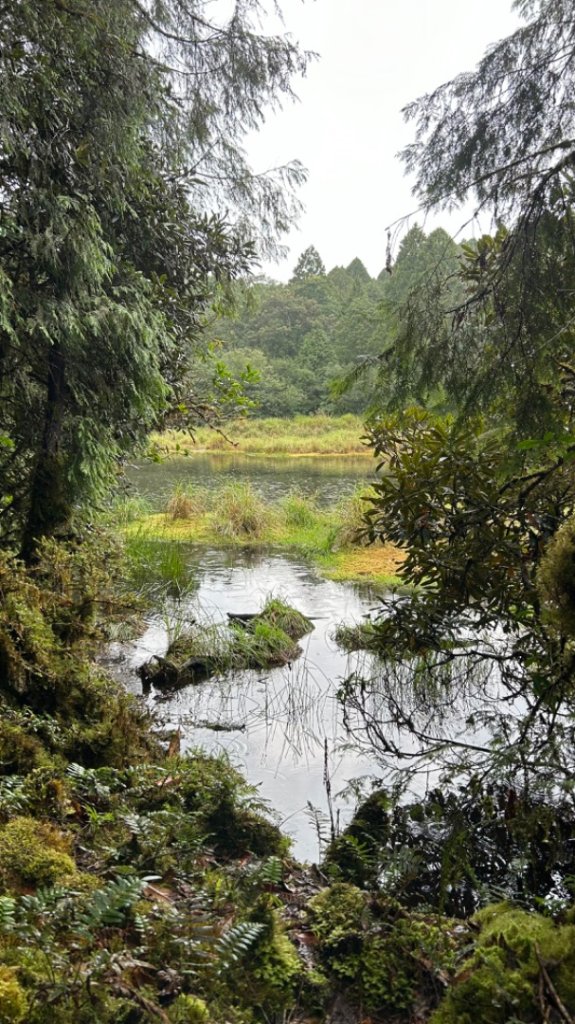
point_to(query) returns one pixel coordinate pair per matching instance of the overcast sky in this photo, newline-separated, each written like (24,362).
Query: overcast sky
(375,56)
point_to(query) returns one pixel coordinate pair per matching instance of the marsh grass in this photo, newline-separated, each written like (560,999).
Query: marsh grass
(157,564)
(278,614)
(350,513)
(186,502)
(236,515)
(238,511)
(302,435)
(128,509)
(264,646)
(362,636)
(299,510)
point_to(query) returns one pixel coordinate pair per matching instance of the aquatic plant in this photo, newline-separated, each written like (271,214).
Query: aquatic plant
(157,565)
(278,613)
(299,510)
(201,649)
(240,512)
(360,637)
(187,501)
(128,508)
(263,645)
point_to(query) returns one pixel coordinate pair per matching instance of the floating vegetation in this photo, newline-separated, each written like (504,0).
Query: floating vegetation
(363,636)
(236,515)
(259,641)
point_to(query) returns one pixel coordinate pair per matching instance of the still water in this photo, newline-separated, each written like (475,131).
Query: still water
(280,720)
(285,727)
(327,478)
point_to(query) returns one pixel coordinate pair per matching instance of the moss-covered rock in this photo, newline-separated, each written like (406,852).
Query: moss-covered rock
(33,853)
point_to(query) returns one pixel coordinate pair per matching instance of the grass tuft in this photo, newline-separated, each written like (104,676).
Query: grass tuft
(240,512)
(186,502)
(299,510)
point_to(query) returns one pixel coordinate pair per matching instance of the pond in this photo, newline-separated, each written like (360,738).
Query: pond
(284,727)
(280,721)
(326,477)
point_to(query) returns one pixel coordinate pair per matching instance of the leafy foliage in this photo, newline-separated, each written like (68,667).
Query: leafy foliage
(119,145)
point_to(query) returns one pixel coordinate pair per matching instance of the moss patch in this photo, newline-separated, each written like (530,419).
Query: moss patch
(33,853)
(521,963)
(387,960)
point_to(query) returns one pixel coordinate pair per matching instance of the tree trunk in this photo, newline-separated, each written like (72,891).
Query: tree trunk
(50,504)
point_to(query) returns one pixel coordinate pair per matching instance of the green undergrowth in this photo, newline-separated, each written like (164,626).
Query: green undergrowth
(236,516)
(522,969)
(301,435)
(138,887)
(388,961)
(57,704)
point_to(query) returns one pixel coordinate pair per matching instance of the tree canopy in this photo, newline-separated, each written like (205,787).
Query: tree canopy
(483,500)
(125,199)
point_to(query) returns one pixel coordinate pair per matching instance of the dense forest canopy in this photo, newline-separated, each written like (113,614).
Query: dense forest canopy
(306,337)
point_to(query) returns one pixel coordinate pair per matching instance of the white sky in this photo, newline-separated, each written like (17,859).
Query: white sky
(375,56)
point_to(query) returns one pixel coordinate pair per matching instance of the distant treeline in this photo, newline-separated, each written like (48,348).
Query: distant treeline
(318,329)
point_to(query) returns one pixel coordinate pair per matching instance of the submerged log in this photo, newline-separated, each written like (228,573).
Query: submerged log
(243,618)
(164,674)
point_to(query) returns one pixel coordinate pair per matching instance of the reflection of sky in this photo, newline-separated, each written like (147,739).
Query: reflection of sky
(286,717)
(288,713)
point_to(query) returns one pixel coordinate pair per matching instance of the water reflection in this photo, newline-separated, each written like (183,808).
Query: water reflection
(284,716)
(328,478)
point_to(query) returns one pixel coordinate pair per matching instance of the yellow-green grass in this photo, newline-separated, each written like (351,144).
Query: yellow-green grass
(236,516)
(302,435)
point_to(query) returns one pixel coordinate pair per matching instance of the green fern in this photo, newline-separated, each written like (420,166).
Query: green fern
(7,914)
(236,942)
